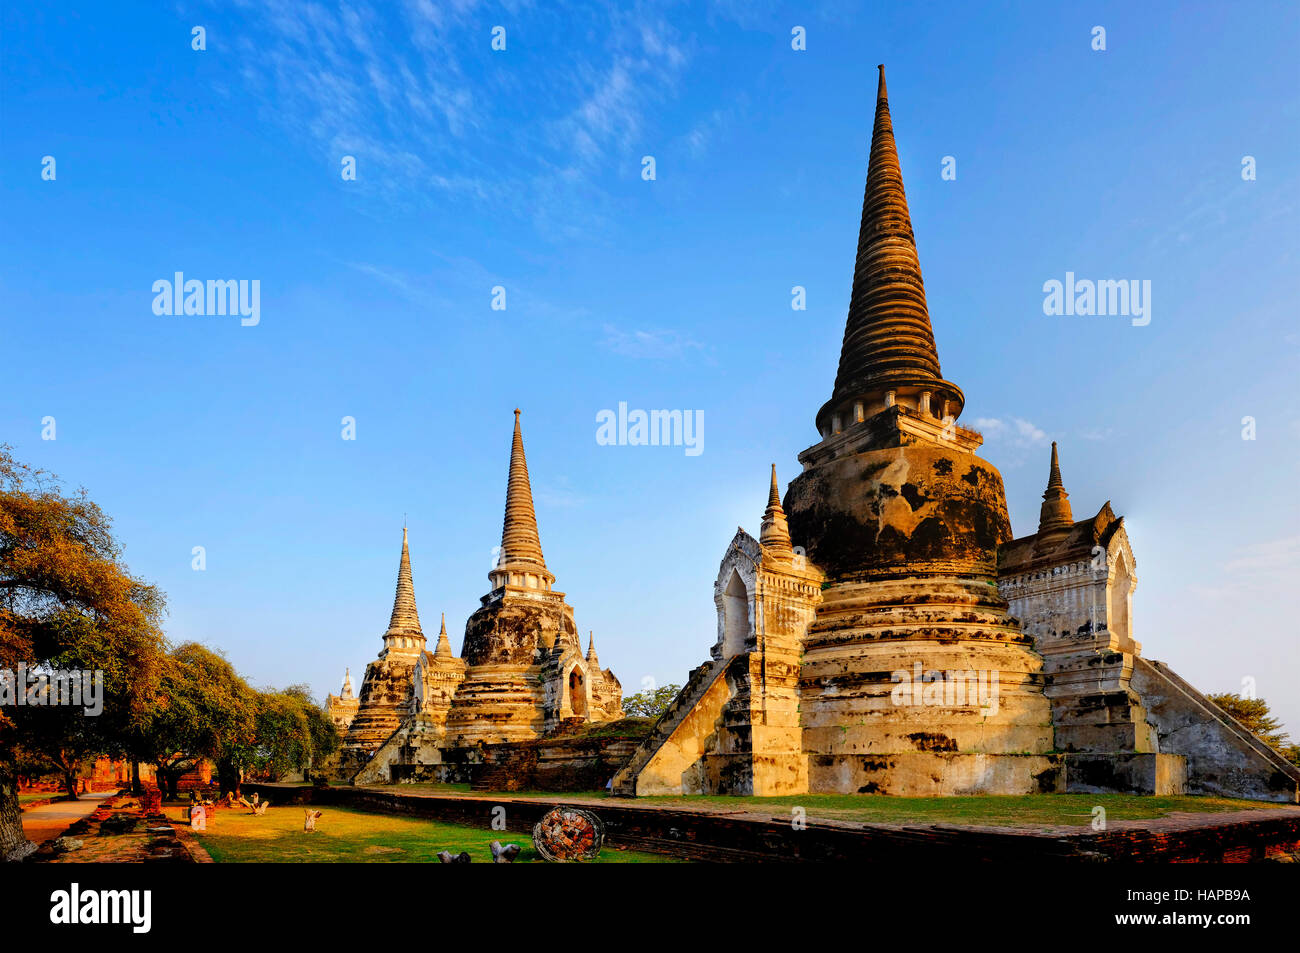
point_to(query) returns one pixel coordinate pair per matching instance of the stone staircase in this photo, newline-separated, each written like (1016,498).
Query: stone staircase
(1223,758)
(699,682)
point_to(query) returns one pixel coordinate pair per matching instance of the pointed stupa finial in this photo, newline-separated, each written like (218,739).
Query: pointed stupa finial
(1055,517)
(404,624)
(521,546)
(774,536)
(1054,476)
(888,345)
(443,648)
(347,684)
(591,648)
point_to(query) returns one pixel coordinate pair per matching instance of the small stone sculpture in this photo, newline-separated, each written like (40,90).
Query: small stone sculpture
(309,821)
(504,855)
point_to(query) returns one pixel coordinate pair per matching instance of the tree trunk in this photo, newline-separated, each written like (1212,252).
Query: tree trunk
(11,823)
(70,783)
(136,788)
(228,778)
(167,779)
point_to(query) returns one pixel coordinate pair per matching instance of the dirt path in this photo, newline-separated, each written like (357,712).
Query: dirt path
(50,820)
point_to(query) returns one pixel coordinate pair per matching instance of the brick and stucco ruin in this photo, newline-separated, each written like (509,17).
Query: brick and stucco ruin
(521,676)
(887,634)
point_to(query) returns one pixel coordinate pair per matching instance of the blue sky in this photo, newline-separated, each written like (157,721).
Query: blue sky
(522,169)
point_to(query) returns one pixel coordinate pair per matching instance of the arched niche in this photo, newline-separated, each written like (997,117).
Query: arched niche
(576,691)
(735,608)
(1119,598)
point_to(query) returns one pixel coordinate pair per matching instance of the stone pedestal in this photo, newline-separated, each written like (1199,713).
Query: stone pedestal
(1125,773)
(915,679)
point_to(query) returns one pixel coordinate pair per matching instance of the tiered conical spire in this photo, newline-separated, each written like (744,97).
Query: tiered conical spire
(1056,516)
(520,542)
(405,620)
(888,342)
(347,684)
(443,648)
(775,532)
(591,649)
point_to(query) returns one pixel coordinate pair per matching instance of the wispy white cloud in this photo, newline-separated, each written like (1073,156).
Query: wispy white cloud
(1013,438)
(1014,431)
(402,88)
(1257,572)
(656,344)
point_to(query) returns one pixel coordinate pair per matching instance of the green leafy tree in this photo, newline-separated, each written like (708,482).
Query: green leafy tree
(1255,717)
(293,733)
(67,602)
(204,710)
(325,737)
(650,704)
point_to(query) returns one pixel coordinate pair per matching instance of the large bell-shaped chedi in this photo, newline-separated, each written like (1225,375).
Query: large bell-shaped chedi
(513,634)
(905,520)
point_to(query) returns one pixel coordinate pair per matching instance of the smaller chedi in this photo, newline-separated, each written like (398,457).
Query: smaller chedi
(342,708)
(521,675)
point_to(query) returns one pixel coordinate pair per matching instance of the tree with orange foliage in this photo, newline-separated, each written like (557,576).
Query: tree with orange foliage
(67,603)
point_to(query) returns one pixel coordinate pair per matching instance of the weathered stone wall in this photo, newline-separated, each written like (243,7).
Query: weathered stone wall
(507,643)
(936,774)
(885,503)
(1072,592)
(671,760)
(1223,758)
(750,837)
(908,537)
(565,764)
(516,628)
(385,700)
(1125,772)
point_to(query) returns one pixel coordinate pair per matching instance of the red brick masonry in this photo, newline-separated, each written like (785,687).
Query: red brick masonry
(718,834)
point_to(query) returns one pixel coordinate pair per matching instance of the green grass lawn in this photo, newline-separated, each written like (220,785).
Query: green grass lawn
(1001,810)
(347,836)
(38,796)
(1031,810)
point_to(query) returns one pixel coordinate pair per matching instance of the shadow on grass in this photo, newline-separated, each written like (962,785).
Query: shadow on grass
(347,836)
